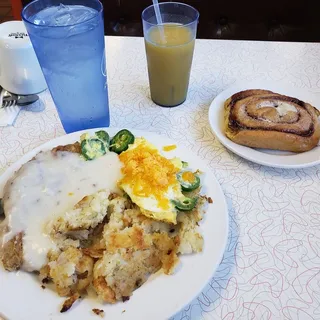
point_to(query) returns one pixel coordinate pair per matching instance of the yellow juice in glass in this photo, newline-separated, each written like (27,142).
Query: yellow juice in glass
(169,62)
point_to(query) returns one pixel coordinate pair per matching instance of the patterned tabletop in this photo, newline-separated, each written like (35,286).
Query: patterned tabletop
(271,265)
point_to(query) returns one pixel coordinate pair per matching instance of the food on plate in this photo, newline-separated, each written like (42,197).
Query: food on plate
(264,119)
(96,146)
(47,187)
(188,180)
(101,213)
(121,141)
(98,312)
(169,147)
(151,181)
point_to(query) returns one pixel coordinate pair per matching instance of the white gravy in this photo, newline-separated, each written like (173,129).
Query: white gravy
(50,185)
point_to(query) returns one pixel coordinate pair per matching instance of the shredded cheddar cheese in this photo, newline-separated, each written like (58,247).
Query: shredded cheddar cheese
(148,173)
(188,176)
(169,148)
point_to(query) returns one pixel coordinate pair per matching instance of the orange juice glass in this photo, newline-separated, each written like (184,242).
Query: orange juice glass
(169,51)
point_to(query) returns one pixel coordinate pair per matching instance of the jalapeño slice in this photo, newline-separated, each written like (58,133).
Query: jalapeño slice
(188,180)
(120,142)
(104,137)
(187,204)
(92,148)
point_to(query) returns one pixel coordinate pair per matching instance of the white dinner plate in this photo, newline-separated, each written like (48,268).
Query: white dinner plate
(271,158)
(22,298)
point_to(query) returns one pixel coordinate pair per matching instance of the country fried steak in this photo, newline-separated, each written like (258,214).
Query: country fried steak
(11,253)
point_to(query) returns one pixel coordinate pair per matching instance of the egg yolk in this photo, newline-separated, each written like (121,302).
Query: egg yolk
(148,173)
(188,176)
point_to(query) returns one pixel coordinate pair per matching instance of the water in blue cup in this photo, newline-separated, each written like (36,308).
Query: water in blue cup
(68,38)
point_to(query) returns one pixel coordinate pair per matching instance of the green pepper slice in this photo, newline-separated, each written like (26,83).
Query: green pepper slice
(188,181)
(92,148)
(120,142)
(186,204)
(104,137)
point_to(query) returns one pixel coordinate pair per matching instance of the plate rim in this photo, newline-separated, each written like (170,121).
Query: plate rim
(5,175)
(216,109)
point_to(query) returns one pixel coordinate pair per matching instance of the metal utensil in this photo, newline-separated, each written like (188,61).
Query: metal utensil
(9,99)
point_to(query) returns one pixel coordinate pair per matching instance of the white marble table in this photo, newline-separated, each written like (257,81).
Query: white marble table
(271,266)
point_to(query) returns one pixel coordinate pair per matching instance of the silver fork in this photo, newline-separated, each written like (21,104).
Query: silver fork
(8,99)
(8,103)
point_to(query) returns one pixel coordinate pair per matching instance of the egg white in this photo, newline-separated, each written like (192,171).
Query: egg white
(149,205)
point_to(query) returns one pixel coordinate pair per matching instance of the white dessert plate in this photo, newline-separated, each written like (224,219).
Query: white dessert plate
(271,158)
(21,295)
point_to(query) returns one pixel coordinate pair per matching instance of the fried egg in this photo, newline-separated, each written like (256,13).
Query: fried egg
(150,180)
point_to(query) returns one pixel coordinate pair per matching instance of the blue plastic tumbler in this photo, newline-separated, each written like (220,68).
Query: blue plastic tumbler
(68,39)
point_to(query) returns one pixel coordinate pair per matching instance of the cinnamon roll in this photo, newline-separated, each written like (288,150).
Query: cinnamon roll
(264,119)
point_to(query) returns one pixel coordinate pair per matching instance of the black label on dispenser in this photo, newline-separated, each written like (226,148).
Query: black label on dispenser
(18,35)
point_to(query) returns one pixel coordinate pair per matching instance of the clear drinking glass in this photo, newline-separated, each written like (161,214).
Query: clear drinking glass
(68,39)
(169,50)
